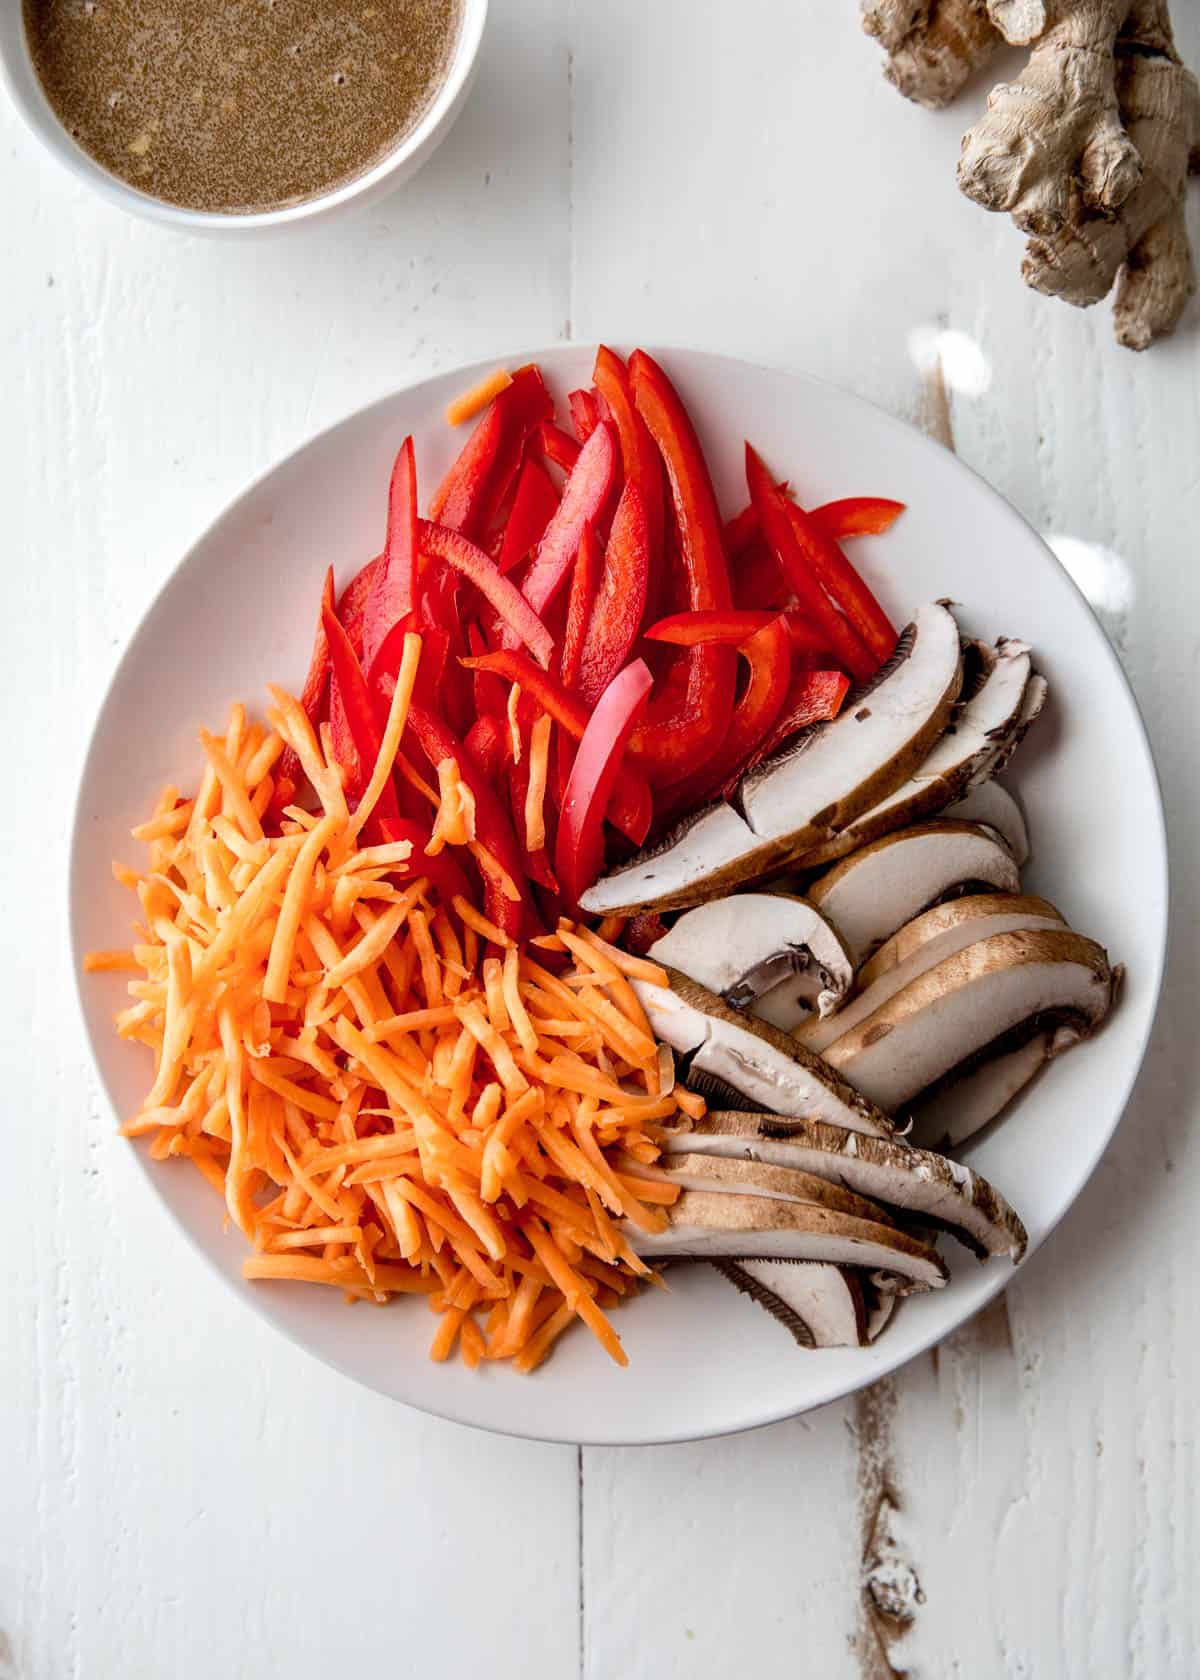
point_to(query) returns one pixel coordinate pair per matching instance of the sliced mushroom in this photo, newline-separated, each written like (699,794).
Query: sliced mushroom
(728,1056)
(991,804)
(811,788)
(872,893)
(742,1177)
(921,945)
(706,1225)
(981,726)
(823,1306)
(880,1311)
(1033,702)
(955,1110)
(770,953)
(985,999)
(886,1170)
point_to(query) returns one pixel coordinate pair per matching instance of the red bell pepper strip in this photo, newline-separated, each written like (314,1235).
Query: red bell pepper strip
(813,697)
(557,446)
(312,697)
(493,829)
(392,593)
(489,745)
(630,807)
(585,413)
(639,456)
(354,777)
(852,516)
(478,482)
(768,653)
(491,696)
(620,598)
(857,516)
(513,606)
(758,581)
(362,719)
(843,585)
(532,510)
(353,599)
(443,870)
(690,629)
(774,512)
(579,853)
(669,747)
(584,496)
(585,580)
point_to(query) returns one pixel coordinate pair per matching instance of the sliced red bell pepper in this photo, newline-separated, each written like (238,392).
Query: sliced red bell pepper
(489,744)
(478,482)
(288,772)
(842,583)
(630,807)
(443,869)
(813,697)
(391,596)
(585,581)
(557,446)
(775,516)
(585,413)
(579,853)
(513,606)
(758,581)
(491,696)
(852,516)
(857,516)
(691,629)
(361,716)
(620,598)
(639,455)
(354,777)
(353,599)
(768,652)
(493,829)
(532,510)
(584,496)
(671,746)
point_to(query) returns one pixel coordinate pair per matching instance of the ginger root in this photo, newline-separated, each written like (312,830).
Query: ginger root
(1089,151)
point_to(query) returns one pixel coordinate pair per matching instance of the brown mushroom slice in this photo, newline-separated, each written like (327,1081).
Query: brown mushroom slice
(991,805)
(921,945)
(772,954)
(961,1106)
(873,892)
(706,1225)
(994,993)
(808,790)
(1033,703)
(983,722)
(822,1306)
(724,1054)
(914,1181)
(742,1177)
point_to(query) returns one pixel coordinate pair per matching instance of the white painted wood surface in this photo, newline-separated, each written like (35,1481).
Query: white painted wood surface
(184,1495)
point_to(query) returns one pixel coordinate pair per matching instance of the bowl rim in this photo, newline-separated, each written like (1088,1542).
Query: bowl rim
(1000,1277)
(33,105)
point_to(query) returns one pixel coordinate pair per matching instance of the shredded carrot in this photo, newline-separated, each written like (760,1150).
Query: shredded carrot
(475,400)
(535,796)
(392,1097)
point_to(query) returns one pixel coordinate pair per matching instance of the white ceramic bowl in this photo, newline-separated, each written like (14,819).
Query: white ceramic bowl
(238,612)
(28,95)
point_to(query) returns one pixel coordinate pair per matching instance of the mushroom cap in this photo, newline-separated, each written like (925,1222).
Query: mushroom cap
(739,1176)
(1012,983)
(875,891)
(705,1224)
(751,1057)
(888,1170)
(921,945)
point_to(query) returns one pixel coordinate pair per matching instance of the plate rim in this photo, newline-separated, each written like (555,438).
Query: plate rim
(469,372)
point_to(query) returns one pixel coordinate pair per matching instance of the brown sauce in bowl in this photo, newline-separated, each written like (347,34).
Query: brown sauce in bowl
(240,105)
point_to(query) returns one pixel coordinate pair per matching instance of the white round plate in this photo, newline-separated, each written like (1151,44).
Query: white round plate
(239,612)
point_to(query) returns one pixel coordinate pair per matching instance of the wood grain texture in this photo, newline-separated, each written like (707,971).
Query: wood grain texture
(184,1495)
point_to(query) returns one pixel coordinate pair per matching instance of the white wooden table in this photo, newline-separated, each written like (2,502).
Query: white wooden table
(208,1503)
